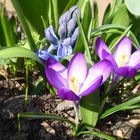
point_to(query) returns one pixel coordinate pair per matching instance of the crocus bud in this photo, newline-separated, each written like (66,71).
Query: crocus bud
(50,35)
(62,30)
(71,25)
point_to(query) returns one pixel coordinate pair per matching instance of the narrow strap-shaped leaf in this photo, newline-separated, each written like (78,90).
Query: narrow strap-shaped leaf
(98,134)
(120,107)
(69,5)
(24,24)
(100,30)
(18,52)
(83,39)
(34,115)
(6,27)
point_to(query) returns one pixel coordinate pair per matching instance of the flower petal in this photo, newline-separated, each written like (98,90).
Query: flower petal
(89,88)
(126,71)
(67,94)
(55,78)
(62,30)
(100,46)
(57,66)
(50,35)
(64,51)
(135,60)
(103,68)
(43,54)
(77,67)
(107,56)
(123,51)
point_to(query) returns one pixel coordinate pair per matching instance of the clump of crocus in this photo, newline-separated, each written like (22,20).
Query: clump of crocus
(77,80)
(68,32)
(124,63)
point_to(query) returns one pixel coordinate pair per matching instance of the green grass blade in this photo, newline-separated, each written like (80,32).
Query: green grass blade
(34,115)
(107,27)
(98,134)
(18,52)
(83,38)
(120,107)
(125,32)
(24,24)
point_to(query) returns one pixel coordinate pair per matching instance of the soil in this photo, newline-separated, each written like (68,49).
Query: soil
(123,125)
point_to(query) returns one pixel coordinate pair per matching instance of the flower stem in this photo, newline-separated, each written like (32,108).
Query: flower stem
(76,109)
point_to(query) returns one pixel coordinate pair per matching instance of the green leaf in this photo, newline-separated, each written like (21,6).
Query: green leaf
(133,6)
(82,39)
(106,15)
(98,134)
(18,52)
(120,107)
(33,10)
(89,107)
(121,16)
(112,28)
(87,17)
(69,5)
(96,21)
(8,33)
(21,15)
(34,115)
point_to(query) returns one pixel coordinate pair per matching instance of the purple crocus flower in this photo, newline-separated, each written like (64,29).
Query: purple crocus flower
(124,63)
(76,80)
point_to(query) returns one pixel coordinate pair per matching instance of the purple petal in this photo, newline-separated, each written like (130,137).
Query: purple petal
(100,46)
(50,35)
(67,94)
(107,56)
(64,51)
(126,71)
(89,88)
(72,9)
(135,60)
(71,25)
(55,78)
(43,54)
(103,68)
(77,67)
(67,16)
(51,48)
(75,34)
(62,30)
(57,66)
(123,51)
(67,42)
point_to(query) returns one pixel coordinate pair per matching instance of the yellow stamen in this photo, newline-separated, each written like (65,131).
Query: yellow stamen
(123,60)
(74,82)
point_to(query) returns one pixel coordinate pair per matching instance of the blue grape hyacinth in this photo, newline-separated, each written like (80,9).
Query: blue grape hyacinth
(68,32)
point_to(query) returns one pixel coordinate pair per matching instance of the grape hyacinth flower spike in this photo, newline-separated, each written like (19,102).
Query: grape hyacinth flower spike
(124,63)
(77,80)
(68,32)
